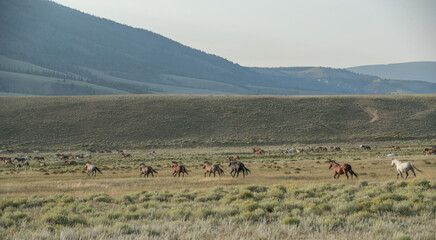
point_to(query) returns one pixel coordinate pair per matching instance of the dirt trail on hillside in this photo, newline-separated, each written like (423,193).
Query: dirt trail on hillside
(373,113)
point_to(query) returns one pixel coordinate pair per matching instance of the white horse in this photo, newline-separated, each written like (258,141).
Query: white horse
(404,167)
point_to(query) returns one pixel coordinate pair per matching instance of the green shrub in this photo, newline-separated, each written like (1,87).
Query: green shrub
(54,218)
(183,214)
(358,217)
(402,236)
(125,228)
(244,194)
(333,221)
(256,188)
(204,213)
(291,221)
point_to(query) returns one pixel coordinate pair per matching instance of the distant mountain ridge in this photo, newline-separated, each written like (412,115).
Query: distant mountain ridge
(49,49)
(422,71)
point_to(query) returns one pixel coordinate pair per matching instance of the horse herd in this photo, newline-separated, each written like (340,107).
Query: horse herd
(237,166)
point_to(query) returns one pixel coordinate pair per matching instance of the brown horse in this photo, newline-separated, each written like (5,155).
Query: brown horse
(257,150)
(126,155)
(341,169)
(7,160)
(431,151)
(41,164)
(146,170)
(212,169)
(177,169)
(70,162)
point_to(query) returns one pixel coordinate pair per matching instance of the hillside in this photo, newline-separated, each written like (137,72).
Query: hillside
(132,121)
(49,49)
(423,71)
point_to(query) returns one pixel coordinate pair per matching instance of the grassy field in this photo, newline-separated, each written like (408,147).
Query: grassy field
(150,121)
(288,195)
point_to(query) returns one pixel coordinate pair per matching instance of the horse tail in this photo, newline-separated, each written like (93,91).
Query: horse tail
(154,170)
(247,170)
(352,172)
(185,171)
(96,168)
(416,168)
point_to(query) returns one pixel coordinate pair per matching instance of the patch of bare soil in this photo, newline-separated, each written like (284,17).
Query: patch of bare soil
(372,112)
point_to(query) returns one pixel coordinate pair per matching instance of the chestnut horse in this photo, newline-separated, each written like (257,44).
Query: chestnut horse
(341,169)
(177,169)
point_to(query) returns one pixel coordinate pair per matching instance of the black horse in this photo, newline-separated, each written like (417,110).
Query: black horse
(238,167)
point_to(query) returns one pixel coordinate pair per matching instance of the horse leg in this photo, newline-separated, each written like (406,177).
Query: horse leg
(205,174)
(413,172)
(407,174)
(401,174)
(346,174)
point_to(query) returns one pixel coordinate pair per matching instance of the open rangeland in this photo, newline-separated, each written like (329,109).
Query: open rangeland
(287,195)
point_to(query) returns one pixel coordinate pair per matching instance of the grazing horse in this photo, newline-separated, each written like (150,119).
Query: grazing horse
(212,169)
(404,167)
(91,170)
(177,169)
(364,147)
(396,147)
(341,169)
(146,170)
(431,151)
(335,148)
(7,160)
(17,165)
(238,167)
(70,162)
(126,155)
(257,150)
(41,164)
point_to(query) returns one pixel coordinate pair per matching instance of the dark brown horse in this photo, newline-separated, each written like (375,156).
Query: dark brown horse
(238,167)
(341,169)
(146,170)
(177,169)
(70,162)
(126,155)
(212,169)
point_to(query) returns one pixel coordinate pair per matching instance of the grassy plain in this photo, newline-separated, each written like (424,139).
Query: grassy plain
(287,196)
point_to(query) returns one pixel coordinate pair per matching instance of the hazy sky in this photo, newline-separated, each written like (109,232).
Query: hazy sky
(330,33)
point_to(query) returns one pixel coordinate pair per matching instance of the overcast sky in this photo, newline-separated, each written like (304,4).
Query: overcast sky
(330,33)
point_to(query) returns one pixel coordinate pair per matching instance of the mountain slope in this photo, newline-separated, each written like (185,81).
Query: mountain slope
(41,38)
(423,71)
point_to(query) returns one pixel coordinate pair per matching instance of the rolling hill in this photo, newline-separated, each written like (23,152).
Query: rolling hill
(145,121)
(422,71)
(49,49)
